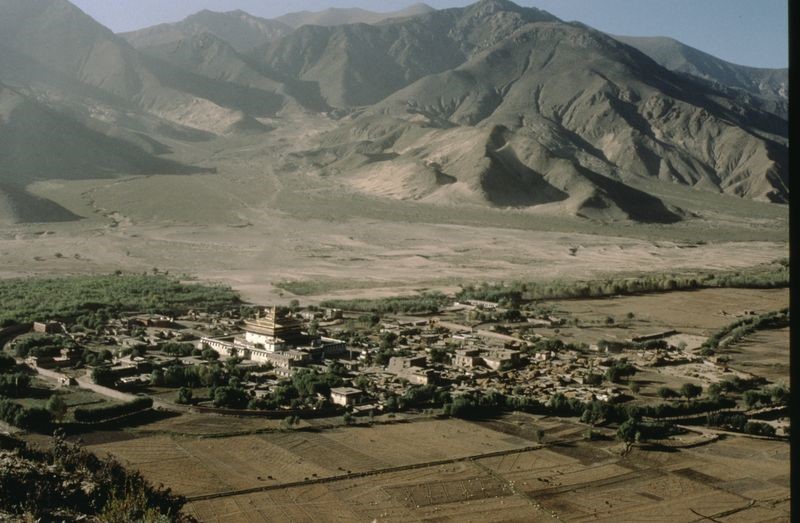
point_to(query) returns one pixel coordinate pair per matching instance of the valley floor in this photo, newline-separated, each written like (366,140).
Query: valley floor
(267,216)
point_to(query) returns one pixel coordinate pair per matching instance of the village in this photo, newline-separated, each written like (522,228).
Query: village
(317,361)
(235,402)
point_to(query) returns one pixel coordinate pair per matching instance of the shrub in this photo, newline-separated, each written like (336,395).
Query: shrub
(36,419)
(230,398)
(184,396)
(85,415)
(759,428)
(15,384)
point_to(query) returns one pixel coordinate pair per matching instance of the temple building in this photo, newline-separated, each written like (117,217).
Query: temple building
(276,330)
(278,338)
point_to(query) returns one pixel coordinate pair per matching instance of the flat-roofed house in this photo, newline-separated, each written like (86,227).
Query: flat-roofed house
(345,396)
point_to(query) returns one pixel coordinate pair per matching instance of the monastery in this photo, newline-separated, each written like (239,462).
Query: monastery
(278,338)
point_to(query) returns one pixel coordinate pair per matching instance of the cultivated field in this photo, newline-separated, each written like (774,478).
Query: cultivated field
(736,479)
(195,466)
(763,353)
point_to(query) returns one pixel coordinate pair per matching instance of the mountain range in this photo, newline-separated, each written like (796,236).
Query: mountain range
(490,105)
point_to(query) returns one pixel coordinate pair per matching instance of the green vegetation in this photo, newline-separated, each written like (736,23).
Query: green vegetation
(83,415)
(230,397)
(41,345)
(14,384)
(312,287)
(772,275)
(737,330)
(690,390)
(57,406)
(423,303)
(176,349)
(36,418)
(512,294)
(777,395)
(67,483)
(739,423)
(619,370)
(90,300)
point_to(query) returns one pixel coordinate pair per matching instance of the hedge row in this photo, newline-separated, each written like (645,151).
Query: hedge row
(36,419)
(112,411)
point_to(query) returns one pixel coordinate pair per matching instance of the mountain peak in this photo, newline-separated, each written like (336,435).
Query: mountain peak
(484,8)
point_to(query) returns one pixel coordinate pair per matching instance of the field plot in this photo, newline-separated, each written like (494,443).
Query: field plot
(193,466)
(764,353)
(457,492)
(734,479)
(692,312)
(209,425)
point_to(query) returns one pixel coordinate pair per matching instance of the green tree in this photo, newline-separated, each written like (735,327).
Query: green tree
(666,393)
(629,432)
(184,396)
(690,390)
(57,406)
(230,398)
(210,354)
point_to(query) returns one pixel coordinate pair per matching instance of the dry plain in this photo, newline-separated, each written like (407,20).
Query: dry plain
(268,215)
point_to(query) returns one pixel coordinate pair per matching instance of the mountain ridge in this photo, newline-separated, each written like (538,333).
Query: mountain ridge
(492,104)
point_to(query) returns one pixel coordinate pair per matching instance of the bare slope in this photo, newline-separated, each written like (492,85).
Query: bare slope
(582,111)
(58,37)
(680,57)
(38,143)
(341,16)
(360,64)
(241,30)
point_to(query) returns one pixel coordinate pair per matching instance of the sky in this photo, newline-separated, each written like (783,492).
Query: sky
(746,32)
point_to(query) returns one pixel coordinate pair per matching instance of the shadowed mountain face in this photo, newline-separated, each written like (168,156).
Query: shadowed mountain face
(490,105)
(679,57)
(579,108)
(40,144)
(768,88)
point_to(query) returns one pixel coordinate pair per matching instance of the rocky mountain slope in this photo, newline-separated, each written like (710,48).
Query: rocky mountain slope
(239,29)
(766,88)
(38,143)
(680,57)
(538,109)
(341,16)
(487,105)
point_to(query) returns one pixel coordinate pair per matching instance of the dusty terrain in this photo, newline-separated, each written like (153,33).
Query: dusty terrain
(263,218)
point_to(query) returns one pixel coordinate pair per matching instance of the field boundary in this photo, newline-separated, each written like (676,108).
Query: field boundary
(356,475)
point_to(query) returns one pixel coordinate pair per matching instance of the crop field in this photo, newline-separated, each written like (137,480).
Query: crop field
(194,466)
(763,353)
(691,312)
(735,479)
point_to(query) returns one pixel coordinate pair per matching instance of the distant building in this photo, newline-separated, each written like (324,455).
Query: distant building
(50,327)
(467,358)
(500,358)
(411,369)
(346,396)
(277,338)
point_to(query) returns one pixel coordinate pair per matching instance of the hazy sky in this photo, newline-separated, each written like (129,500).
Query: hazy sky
(748,32)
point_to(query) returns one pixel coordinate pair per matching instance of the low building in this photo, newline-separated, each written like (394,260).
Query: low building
(467,358)
(50,327)
(501,358)
(411,369)
(346,396)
